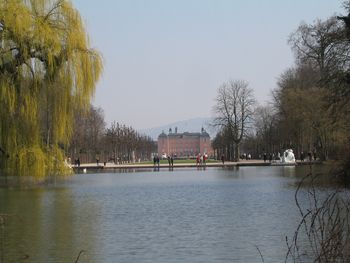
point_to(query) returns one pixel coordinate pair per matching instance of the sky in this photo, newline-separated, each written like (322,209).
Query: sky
(165,60)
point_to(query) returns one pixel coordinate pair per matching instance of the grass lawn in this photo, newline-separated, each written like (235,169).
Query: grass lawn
(184,161)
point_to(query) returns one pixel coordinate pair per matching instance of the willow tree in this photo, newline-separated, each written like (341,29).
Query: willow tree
(47,72)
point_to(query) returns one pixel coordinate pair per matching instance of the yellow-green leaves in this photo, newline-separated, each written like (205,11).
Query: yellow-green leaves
(47,71)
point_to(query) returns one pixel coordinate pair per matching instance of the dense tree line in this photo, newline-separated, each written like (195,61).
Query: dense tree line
(310,109)
(118,143)
(311,103)
(125,144)
(308,95)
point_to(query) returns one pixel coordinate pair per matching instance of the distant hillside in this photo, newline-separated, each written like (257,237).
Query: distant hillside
(191,125)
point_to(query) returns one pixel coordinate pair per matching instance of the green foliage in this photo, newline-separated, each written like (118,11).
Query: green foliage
(47,72)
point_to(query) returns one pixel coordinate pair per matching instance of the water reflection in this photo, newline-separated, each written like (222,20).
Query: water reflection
(188,215)
(48,225)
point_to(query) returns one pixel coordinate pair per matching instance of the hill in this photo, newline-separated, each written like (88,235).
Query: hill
(190,125)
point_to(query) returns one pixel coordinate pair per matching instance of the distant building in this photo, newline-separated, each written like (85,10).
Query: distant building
(187,144)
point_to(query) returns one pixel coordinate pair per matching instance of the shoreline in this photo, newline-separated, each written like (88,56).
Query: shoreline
(243,163)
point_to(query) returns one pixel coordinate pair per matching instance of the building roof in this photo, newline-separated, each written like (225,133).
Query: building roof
(162,135)
(203,133)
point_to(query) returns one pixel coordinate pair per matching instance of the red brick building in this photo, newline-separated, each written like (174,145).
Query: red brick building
(185,144)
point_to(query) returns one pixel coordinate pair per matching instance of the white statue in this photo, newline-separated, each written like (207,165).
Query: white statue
(288,156)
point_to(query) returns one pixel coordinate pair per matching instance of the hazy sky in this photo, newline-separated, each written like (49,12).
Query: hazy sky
(164,60)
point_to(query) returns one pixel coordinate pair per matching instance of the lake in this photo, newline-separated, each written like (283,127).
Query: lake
(185,215)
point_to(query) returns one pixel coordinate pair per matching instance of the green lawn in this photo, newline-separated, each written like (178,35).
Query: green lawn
(184,161)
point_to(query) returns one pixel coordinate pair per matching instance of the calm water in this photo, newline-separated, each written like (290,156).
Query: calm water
(211,215)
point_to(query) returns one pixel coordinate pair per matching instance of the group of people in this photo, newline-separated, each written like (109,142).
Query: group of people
(201,159)
(246,156)
(270,156)
(170,161)
(156,161)
(310,155)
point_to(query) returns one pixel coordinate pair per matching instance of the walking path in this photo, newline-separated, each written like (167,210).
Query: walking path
(112,166)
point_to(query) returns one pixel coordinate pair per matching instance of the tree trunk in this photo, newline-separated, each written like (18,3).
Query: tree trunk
(236,157)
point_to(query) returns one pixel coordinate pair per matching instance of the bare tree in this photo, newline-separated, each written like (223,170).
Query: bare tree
(124,144)
(265,119)
(87,133)
(321,45)
(234,111)
(112,141)
(323,233)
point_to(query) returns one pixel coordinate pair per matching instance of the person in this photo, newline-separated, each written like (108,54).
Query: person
(172,161)
(97,160)
(314,152)
(265,157)
(223,159)
(204,158)
(198,159)
(78,162)
(158,161)
(169,161)
(270,157)
(302,156)
(154,160)
(310,156)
